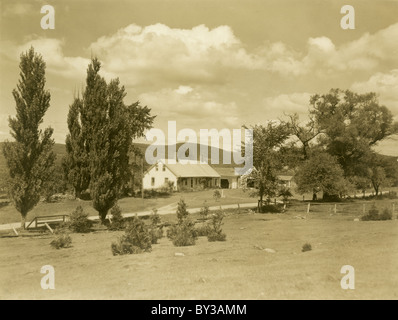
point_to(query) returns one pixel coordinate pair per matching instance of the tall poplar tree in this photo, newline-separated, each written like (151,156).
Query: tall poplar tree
(29,158)
(102,129)
(76,162)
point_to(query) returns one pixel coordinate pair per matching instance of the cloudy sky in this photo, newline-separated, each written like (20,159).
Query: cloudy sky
(204,63)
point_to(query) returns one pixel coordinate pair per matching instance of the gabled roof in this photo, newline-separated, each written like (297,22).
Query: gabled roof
(190,170)
(226,171)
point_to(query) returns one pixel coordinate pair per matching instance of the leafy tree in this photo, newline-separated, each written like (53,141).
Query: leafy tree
(377,176)
(360,183)
(285,193)
(216,195)
(304,133)
(182,211)
(29,158)
(323,173)
(350,124)
(381,171)
(267,141)
(102,128)
(204,211)
(76,161)
(54,184)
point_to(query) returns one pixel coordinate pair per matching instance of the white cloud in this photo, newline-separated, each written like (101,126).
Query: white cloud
(287,103)
(384,84)
(365,53)
(56,61)
(191,107)
(183,90)
(18,9)
(159,51)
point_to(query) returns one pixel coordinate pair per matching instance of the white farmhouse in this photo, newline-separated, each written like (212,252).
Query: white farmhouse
(183,176)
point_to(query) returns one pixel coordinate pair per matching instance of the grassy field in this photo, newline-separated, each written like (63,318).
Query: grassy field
(235,269)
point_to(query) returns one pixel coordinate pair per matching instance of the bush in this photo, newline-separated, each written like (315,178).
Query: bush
(215,232)
(373,214)
(118,222)
(306,247)
(166,188)
(155,229)
(270,208)
(183,233)
(149,193)
(136,239)
(62,240)
(79,221)
(203,230)
(385,215)
(204,211)
(216,195)
(155,217)
(182,211)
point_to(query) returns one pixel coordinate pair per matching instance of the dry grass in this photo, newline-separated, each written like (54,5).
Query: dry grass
(234,269)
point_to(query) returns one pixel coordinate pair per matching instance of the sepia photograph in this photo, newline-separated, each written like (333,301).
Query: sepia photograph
(211,151)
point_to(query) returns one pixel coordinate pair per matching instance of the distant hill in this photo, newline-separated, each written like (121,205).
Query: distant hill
(60,152)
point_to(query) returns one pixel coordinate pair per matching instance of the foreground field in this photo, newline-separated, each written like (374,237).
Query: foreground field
(235,269)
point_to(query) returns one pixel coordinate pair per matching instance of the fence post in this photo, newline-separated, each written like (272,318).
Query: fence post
(335,208)
(308,208)
(364,208)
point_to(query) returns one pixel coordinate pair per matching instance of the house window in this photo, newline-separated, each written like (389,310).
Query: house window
(164,168)
(166,180)
(156,167)
(191,182)
(152,181)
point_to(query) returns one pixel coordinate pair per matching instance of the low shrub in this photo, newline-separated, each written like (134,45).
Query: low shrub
(155,217)
(215,232)
(137,239)
(62,240)
(79,221)
(271,208)
(183,233)
(155,228)
(204,211)
(216,195)
(373,214)
(306,247)
(117,219)
(166,189)
(182,212)
(386,214)
(203,230)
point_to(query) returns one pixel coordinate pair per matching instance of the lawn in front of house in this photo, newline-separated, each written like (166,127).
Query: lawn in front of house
(8,213)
